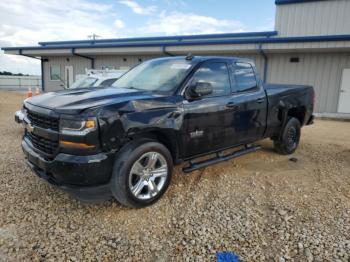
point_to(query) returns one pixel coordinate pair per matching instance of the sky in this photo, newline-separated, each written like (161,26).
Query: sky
(26,22)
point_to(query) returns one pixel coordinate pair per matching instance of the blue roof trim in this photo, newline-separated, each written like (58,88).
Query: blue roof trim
(328,38)
(285,2)
(165,38)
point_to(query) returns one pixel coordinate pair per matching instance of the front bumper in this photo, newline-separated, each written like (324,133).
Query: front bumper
(85,177)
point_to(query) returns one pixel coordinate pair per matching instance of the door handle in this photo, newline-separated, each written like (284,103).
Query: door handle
(232,105)
(260,100)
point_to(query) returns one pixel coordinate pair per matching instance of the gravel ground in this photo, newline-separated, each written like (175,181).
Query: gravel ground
(262,206)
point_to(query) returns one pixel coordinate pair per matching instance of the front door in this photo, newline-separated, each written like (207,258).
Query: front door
(344,96)
(69,78)
(207,119)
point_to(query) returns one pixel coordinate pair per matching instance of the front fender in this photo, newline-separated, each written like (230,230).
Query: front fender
(118,126)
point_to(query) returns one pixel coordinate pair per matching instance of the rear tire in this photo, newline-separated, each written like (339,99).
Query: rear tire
(289,139)
(141,174)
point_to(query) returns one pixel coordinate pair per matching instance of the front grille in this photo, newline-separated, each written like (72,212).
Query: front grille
(42,121)
(45,145)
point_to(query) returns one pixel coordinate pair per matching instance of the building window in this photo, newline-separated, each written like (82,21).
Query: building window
(55,72)
(294,60)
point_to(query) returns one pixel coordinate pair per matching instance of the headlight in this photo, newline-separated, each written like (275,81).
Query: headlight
(77,127)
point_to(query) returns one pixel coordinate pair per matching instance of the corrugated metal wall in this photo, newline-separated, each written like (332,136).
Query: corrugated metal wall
(79,64)
(118,61)
(321,70)
(329,17)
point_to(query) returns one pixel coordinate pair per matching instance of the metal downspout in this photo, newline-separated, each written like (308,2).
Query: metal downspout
(87,57)
(166,52)
(42,73)
(266,59)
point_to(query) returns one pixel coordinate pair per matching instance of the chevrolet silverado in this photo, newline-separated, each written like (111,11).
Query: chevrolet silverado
(122,141)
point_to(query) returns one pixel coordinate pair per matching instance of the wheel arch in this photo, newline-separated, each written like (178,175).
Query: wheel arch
(297,112)
(167,138)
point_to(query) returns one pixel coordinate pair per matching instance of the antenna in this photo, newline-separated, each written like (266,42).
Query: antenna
(93,36)
(189,56)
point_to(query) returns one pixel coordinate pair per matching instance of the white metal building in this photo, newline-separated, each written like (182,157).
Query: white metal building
(310,45)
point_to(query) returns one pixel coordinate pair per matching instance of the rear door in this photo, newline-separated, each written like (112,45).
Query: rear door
(249,104)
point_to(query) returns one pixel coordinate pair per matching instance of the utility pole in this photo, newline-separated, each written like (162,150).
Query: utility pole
(93,36)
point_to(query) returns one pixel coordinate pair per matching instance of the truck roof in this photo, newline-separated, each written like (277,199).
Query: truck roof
(205,58)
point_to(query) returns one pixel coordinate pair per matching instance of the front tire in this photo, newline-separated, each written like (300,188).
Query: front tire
(141,174)
(289,139)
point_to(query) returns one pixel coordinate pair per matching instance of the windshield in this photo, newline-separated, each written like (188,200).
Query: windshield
(156,75)
(84,82)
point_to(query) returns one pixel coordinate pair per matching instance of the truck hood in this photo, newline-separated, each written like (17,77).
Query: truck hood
(75,101)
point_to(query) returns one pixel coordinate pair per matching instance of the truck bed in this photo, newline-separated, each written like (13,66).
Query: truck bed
(283,97)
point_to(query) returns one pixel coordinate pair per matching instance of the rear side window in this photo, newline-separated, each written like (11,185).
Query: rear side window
(244,76)
(216,74)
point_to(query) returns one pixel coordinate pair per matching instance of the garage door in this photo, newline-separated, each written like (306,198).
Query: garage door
(344,96)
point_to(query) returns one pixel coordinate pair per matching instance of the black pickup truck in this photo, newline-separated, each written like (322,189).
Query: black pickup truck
(122,141)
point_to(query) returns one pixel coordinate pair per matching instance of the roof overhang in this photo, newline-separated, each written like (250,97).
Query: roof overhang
(163,39)
(217,45)
(285,2)
(314,47)
(140,45)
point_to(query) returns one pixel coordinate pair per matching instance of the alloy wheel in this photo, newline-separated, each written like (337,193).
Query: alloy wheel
(148,175)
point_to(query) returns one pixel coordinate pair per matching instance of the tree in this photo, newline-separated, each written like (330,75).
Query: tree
(6,73)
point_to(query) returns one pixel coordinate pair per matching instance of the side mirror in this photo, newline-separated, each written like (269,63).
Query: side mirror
(200,89)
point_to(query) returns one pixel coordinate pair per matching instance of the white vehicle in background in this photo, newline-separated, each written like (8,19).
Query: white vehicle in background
(96,78)
(92,78)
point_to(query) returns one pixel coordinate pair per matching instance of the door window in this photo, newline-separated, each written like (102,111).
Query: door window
(244,77)
(216,74)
